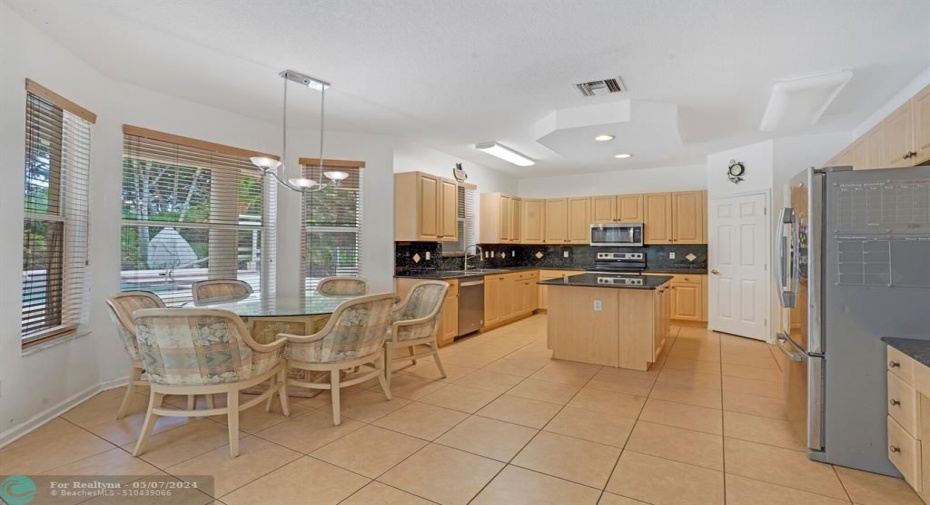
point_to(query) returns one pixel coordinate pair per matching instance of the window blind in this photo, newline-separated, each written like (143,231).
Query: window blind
(55,228)
(466,220)
(191,211)
(332,217)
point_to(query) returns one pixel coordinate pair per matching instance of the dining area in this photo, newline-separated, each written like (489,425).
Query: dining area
(229,340)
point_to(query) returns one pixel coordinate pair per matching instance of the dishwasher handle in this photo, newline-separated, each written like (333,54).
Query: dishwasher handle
(471,283)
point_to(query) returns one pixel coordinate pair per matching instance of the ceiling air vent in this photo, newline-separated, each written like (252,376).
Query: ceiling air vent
(597,88)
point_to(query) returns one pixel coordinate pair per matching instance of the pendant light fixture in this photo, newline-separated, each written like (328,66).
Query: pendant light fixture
(272,167)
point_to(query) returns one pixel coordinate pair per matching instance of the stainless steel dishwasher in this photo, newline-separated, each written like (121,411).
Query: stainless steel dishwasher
(471,306)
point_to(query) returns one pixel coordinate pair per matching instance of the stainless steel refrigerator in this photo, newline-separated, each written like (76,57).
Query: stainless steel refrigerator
(854,266)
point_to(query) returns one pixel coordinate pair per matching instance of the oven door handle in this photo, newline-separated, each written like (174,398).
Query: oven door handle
(793,356)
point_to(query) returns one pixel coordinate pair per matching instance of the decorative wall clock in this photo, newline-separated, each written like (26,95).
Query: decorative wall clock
(735,171)
(459,173)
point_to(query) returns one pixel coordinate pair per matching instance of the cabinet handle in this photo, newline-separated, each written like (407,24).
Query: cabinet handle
(893,364)
(894,403)
(894,448)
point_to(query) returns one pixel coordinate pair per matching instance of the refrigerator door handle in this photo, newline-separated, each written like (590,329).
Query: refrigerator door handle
(785,295)
(793,356)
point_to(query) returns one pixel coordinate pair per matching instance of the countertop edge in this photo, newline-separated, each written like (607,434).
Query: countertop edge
(665,279)
(521,269)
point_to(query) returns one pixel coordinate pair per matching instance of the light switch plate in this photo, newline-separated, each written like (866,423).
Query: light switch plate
(564,254)
(597,305)
(671,255)
(427,255)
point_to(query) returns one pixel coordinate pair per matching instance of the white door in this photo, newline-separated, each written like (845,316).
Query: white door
(738,257)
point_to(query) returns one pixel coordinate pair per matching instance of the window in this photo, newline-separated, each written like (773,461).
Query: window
(192,210)
(55,227)
(332,221)
(468,235)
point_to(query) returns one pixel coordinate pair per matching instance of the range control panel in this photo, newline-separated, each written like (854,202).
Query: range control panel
(626,281)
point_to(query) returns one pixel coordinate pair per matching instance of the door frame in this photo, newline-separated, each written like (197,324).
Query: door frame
(771,323)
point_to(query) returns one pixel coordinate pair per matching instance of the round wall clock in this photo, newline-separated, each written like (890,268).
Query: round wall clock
(735,171)
(459,173)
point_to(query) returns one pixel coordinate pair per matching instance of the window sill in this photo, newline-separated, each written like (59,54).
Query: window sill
(81,332)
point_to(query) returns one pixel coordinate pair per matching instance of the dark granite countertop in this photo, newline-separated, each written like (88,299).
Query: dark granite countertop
(672,270)
(912,347)
(604,281)
(460,274)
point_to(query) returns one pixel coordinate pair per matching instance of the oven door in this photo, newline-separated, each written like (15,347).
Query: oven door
(611,234)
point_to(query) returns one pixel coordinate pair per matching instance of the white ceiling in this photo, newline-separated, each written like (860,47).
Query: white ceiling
(449,74)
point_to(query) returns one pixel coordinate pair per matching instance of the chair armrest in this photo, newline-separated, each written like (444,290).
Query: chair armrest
(302,339)
(410,323)
(272,347)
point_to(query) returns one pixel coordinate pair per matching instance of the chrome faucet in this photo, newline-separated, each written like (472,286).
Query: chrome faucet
(478,251)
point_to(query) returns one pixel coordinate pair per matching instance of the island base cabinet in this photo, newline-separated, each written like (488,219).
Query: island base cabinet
(622,328)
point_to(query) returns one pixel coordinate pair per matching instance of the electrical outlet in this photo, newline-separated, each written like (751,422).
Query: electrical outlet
(513,254)
(564,254)
(671,255)
(486,253)
(597,306)
(427,255)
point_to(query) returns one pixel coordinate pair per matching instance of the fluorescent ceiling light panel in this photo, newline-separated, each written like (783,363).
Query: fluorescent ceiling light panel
(623,156)
(505,153)
(799,103)
(604,138)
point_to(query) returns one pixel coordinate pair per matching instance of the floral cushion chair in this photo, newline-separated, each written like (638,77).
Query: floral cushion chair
(343,286)
(220,288)
(121,308)
(205,352)
(415,322)
(353,338)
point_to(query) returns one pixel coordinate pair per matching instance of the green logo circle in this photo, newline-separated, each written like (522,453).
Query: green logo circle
(18,490)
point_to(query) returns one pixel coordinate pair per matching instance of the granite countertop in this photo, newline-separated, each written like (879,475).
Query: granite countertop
(481,272)
(674,270)
(912,347)
(603,281)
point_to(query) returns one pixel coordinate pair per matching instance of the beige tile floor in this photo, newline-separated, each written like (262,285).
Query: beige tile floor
(509,425)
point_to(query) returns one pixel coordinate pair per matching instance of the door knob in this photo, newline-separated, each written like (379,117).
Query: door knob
(715,271)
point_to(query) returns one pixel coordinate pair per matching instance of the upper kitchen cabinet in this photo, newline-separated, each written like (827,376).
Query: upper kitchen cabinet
(425,208)
(898,138)
(533,221)
(675,218)
(500,219)
(921,111)
(617,209)
(567,220)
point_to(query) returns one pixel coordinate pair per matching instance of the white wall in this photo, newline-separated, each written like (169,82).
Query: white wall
(918,83)
(35,385)
(648,180)
(411,157)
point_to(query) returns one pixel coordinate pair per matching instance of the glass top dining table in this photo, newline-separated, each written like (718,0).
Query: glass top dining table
(311,303)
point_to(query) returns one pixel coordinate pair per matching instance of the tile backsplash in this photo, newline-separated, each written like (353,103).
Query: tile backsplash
(410,257)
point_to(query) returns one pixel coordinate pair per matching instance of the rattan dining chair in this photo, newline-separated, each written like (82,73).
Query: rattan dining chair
(353,338)
(205,352)
(121,307)
(415,322)
(343,286)
(220,288)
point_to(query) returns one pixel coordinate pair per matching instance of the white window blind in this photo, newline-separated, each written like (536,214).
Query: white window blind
(332,217)
(55,228)
(192,210)
(467,219)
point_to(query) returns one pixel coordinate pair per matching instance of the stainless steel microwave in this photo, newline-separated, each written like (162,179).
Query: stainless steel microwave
(617,234)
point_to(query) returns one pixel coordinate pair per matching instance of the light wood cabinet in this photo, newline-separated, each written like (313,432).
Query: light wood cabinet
(425,208)
(662,324)
(508,297)
(909,419)
(533,222)
(557,221)
(688,217)
(921,111)
(500,219)
(657,218)
(448,318)
(578,222)
(617,209)
(898,137)
(687,297)
(542,291)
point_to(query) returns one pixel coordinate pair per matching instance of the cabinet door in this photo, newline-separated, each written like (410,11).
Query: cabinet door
(428,211)
(556,221)
(921,110)
(492,293)
(532,294)
(449,229)
(657,218)
(516,220)
(688,217)
(897,138)
(629,209)
(603,209)
(687,302)
(506,218)
(579,223)
(875,147)
(859,154)
(450,320)
(532,226)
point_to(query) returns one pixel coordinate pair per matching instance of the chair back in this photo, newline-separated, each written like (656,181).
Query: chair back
(425,299)
(121,306)
(220,288)
(356,329)
(343,286)
(194,346)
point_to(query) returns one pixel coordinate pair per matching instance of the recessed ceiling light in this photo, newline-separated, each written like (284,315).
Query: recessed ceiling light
(505,153)
(604,138)
(623,156)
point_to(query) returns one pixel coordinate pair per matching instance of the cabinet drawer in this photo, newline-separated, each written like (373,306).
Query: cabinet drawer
(900,365)
(903,404)
(904,453)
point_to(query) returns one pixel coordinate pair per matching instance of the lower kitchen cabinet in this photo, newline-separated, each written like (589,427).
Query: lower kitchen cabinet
(449,317)
(909,420)
(688,297)
(542,302)
(508,297)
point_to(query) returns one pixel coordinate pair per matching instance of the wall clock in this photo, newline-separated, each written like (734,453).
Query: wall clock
(459,173)
(735,171)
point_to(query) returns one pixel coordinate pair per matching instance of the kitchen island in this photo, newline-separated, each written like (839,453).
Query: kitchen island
(608,319)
